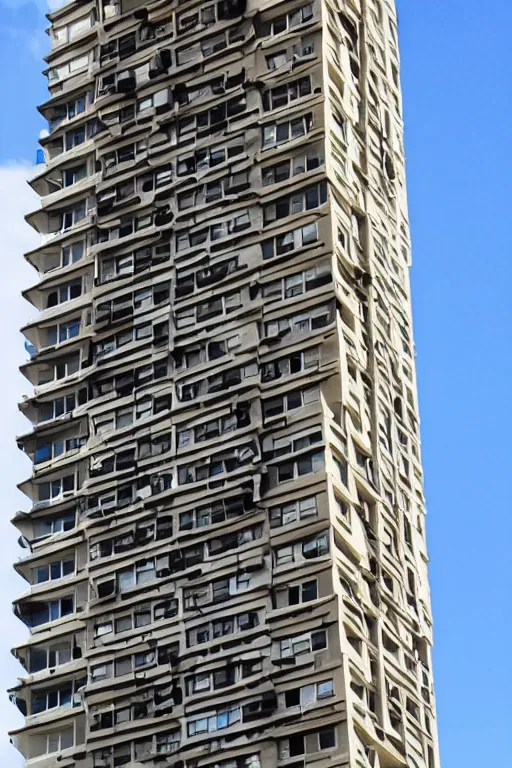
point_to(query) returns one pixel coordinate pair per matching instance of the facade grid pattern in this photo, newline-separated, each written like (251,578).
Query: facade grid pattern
(226,549)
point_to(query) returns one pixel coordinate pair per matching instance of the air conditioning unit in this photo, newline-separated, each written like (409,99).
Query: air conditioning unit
(109,11)
(126,81)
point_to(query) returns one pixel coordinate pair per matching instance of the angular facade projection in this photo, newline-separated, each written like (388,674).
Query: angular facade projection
(225,541)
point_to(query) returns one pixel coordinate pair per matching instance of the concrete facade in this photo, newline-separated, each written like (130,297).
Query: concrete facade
(225,550)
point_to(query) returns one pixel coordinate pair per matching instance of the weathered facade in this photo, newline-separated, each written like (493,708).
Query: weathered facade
(226,543)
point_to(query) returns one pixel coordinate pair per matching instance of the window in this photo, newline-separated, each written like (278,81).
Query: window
(220,465)
(275,174)
(343,511)
(72,67)
(143,408)
(124,417)
(72,253)
(281,132)
(52,741)
(57,334)
(67,111)
(68,32)
(295,594)
(316,546)
(75,137)
(312,320)
(40,658)
(218,591)
(390,645)
(103,629)
(204,159)
(289,402)
(73,215)
(159,99)
(341,469)
(296,285)
(288,21)
(308,694)
(193,239)
(306,47)
(167,743)
(141,617)
(293,511)
(208,309)
(299,743)
(222,719)
(213,118)
(73,175)
(213,44)
(212,191)
(284,555)
(47,526)
(42,613)
(291,747)
(305,200)
(208,46)
(58,697)
(66,292)
(61,446)
(55,488)
(142,572)
(101,672)
(252,761)
(51,571)
(274,447)
(290,241)
(238,223)
(60,406)
(44,453)
(128,225)
(221,627)
(200,682)
(141,331)
(308,549)
(326,738)
(187,281)
(282,95)
(212,429)
(122,155)
(209,514)
(66,367)
(286,366)
(60,608)
(308,280)
(276,60)
(116,267)
(305,643)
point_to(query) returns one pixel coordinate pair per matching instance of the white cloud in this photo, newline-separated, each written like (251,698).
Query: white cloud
(36,42)
(17,238)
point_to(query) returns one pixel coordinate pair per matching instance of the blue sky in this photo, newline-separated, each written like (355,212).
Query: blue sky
(456,75)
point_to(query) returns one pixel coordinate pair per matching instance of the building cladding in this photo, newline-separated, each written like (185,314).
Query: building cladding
(226,544)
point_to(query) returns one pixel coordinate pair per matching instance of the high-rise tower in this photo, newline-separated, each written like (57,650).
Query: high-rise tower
(225,545)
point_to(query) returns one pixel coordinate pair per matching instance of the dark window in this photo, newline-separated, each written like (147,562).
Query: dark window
(296,743)
(326,738)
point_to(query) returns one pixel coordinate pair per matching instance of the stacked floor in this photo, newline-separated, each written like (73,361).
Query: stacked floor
(226,545)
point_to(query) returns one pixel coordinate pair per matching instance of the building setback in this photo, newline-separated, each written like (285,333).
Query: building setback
(225,550)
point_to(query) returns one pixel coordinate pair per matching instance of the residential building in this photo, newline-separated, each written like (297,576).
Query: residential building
(225,541)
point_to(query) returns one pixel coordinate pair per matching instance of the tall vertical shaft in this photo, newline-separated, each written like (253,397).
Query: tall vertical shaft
(225,548)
